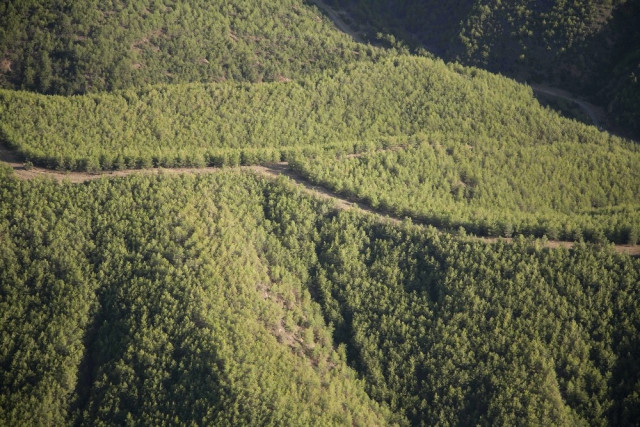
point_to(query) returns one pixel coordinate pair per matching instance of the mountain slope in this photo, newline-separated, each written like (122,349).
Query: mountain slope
(156,304)
(478,150)
(587,46)
(230,299)
(227,299)
(63,47)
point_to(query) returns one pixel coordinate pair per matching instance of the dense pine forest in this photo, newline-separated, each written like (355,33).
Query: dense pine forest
(67,47)
(589,46)
(496,188)
(231,299)
(359,104)
(244,298)
(489,157)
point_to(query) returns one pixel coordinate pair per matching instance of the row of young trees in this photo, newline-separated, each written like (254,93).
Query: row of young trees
(192,124)
(181,125)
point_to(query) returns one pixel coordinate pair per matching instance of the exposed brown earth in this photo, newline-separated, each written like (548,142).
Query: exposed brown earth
(271,171)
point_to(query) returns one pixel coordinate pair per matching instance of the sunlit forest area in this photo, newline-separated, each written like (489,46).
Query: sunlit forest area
(430,245)
(69,47)
(231,299)
(456,146)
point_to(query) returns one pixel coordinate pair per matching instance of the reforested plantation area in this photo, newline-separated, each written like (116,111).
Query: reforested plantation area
(190,124)
(66,46)
(230,299)
(588,46)
(164,301)
(360,103)
(460,146)
(233,298)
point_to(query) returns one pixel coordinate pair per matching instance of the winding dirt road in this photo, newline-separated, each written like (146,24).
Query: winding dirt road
(337,21)
(596,114)
(270,171)
(275,170)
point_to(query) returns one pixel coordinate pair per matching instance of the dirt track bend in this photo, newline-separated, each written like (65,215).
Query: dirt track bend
(337,20)
(596,114)
(270,171)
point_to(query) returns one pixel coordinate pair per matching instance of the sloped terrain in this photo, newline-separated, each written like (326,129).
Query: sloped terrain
(163,300)
(64,47)
(229,299)
(144,281)
(590,47)
(472,149)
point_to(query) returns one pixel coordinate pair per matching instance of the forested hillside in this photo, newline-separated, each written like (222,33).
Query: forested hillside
(233,298)
(456,146)
(64,46)
(163,301)
(588,46)
(230,299)
(571,191)
(360,103)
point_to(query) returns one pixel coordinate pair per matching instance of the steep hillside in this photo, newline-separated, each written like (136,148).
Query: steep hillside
(63,47)
(230,296)
(453,333)
(456,146)
(565,190)
(228,299)
(160,300)
(359,103)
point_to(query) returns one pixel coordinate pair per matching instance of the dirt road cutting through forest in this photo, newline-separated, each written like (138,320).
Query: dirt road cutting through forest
(337,21)
(270,171)
(596,114)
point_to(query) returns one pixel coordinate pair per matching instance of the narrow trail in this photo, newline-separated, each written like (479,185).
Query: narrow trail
(270,171)
(596,114)
(337,21)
